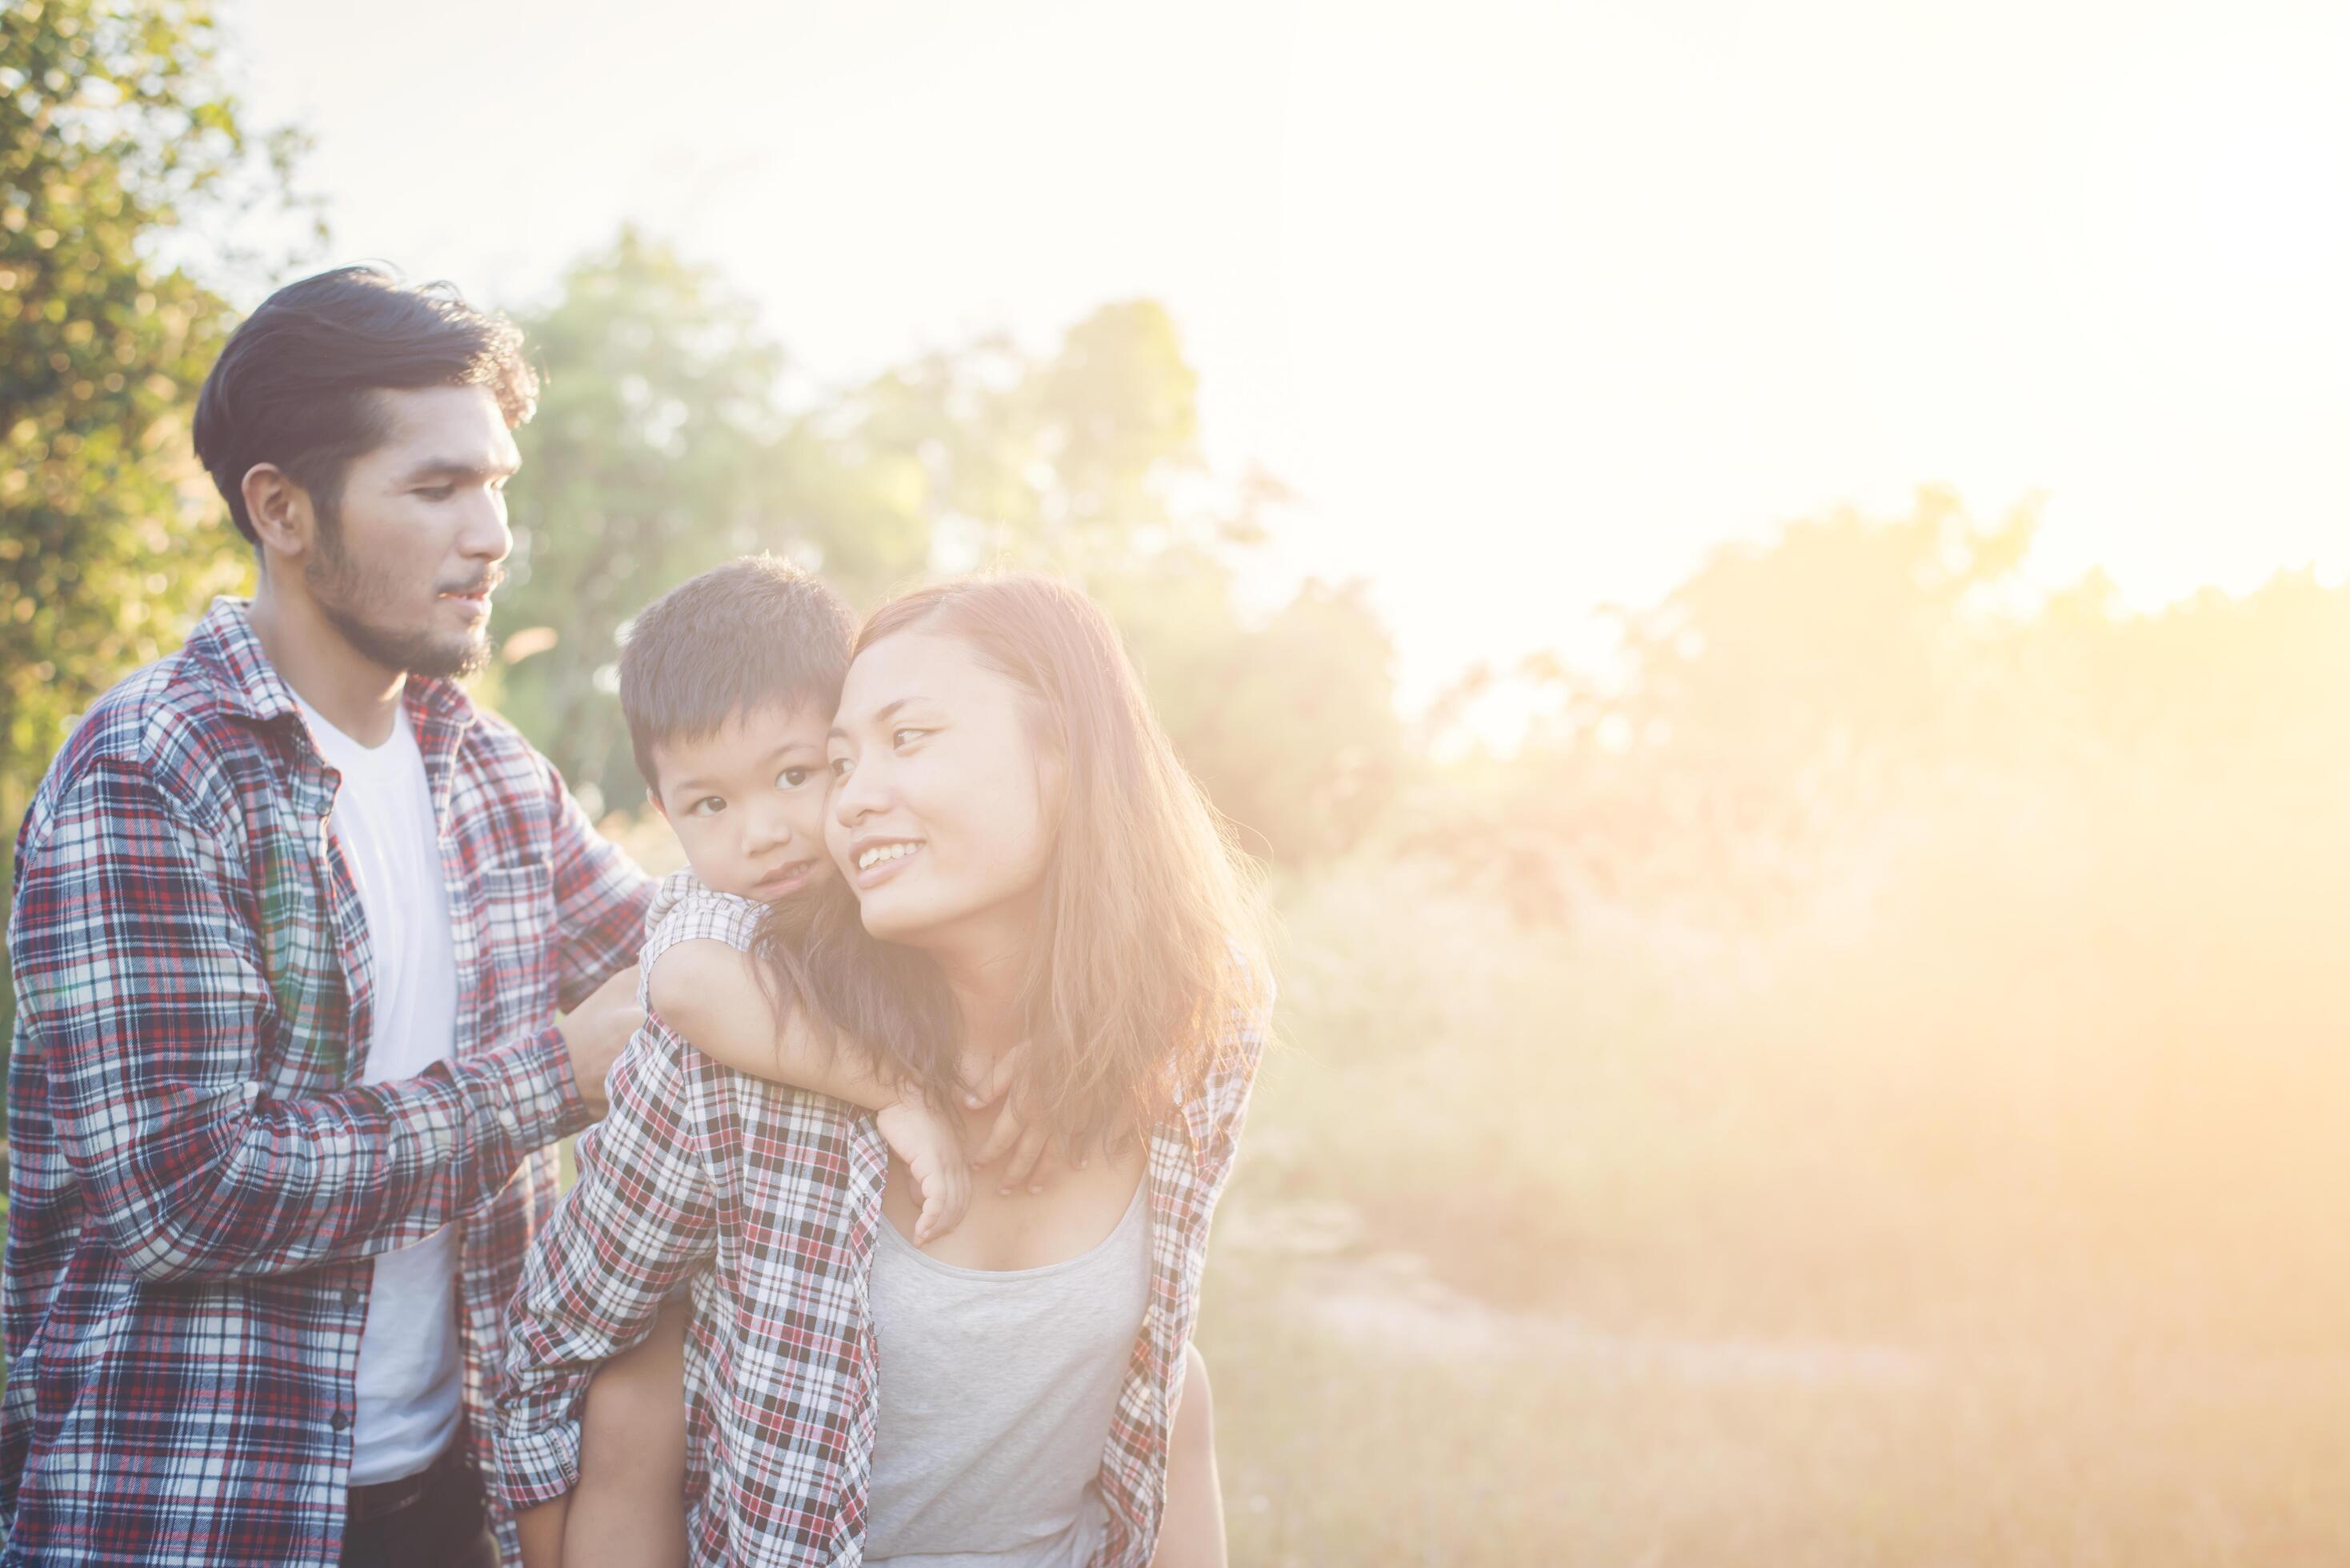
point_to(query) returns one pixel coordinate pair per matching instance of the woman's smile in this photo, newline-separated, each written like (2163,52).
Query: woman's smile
(877,860)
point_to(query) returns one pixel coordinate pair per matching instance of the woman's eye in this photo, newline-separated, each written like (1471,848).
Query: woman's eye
(792,778)
(839,766)
(898,737)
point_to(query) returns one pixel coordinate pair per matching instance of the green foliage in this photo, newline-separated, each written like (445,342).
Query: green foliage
(650,457)
(663,445)
(116,133)
(118,138)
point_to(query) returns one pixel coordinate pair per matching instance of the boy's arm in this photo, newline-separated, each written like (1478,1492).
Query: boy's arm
(706,988)
(709,992)
(640,1219)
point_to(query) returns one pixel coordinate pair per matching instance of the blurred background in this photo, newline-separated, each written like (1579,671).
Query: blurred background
(1768,581)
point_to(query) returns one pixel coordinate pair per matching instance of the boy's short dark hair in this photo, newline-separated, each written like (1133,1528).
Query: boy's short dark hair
(754,632)
(294,386)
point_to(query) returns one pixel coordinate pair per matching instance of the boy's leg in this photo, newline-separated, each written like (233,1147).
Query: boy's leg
(629,1510)
(1192,1531)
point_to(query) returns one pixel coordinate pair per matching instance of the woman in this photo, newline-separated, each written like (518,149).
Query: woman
(1006,806)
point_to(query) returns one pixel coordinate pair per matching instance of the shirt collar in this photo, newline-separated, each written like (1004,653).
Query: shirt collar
(225,646)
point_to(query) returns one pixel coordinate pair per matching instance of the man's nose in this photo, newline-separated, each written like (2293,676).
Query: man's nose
(486,537)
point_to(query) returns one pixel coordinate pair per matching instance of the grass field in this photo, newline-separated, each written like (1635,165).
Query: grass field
(1619,1247)
(1945,1239)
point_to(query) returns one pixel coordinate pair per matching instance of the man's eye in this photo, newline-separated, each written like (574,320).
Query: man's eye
(792,778)
(437,492)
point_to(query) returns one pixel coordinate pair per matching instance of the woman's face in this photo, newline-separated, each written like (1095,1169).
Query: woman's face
(941,816)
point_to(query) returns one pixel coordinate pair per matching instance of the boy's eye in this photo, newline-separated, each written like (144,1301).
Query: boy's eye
(792,778)
(708,806)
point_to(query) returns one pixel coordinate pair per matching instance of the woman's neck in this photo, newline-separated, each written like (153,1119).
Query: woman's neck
(987,971)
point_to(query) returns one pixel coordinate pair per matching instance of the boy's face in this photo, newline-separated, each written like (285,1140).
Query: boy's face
(747,802)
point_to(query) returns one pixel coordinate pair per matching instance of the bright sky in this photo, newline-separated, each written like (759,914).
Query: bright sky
(1533,303)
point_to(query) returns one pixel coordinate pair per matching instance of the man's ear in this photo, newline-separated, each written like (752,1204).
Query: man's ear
(279,510)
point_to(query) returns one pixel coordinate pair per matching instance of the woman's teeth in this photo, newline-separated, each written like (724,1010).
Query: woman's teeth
(882,853)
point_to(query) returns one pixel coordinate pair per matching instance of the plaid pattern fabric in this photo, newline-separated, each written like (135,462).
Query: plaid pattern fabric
(767,1200)
(198,1183)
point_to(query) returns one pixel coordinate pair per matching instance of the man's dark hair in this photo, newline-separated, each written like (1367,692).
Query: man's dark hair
(294,385)
(755,632)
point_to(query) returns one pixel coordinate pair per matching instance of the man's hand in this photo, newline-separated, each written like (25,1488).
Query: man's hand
(929,1142)
(597,1030)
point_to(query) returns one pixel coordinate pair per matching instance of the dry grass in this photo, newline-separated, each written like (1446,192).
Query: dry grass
(1978,1231)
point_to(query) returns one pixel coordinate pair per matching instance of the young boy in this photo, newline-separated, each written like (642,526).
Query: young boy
(728,684)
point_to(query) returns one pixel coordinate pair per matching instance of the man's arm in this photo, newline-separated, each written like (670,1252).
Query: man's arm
(640,1219)
(144,989)
(600,897)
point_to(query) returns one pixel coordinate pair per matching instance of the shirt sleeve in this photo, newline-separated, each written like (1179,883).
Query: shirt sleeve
(685,911)
(600,895)
(640,1219)
(1216,1107)
(143,987)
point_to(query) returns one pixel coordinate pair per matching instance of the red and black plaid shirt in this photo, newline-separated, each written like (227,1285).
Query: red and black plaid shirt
(769,1200)
(199,1180)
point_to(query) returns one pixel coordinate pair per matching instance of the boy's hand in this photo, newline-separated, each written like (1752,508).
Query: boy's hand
(1031,1164)
(929,1142)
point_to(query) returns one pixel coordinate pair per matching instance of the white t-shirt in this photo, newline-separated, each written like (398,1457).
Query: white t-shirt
(411,1379)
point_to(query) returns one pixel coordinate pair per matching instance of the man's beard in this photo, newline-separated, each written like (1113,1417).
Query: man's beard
(345,593)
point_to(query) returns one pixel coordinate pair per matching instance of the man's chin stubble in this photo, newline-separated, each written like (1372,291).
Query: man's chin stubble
(417,653)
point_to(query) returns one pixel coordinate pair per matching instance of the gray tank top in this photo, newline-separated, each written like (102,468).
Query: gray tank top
(997,1394)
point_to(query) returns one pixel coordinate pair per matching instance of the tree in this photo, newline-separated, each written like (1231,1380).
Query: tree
(653,456)
(116,132)
(118,138)
(662,446)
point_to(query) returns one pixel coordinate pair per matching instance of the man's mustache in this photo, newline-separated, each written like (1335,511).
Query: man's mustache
(487,582)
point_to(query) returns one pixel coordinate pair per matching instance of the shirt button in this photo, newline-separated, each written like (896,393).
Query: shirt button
(341,1420)
(351,1296)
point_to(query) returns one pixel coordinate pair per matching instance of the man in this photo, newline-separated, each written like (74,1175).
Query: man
(291,924)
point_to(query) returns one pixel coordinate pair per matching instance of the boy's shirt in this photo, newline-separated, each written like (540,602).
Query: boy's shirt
(201,1181)
(766,1201)
(685,909)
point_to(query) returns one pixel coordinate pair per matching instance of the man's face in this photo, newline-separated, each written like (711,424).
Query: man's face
(405,562)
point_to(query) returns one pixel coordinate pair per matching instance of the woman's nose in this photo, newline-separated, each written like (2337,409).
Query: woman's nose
(853,798)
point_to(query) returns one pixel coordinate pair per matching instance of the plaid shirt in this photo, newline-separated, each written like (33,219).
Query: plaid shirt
(199,1180)
(769,1200)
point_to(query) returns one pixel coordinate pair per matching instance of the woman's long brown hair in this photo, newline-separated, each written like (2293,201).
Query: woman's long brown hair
(1151,933)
